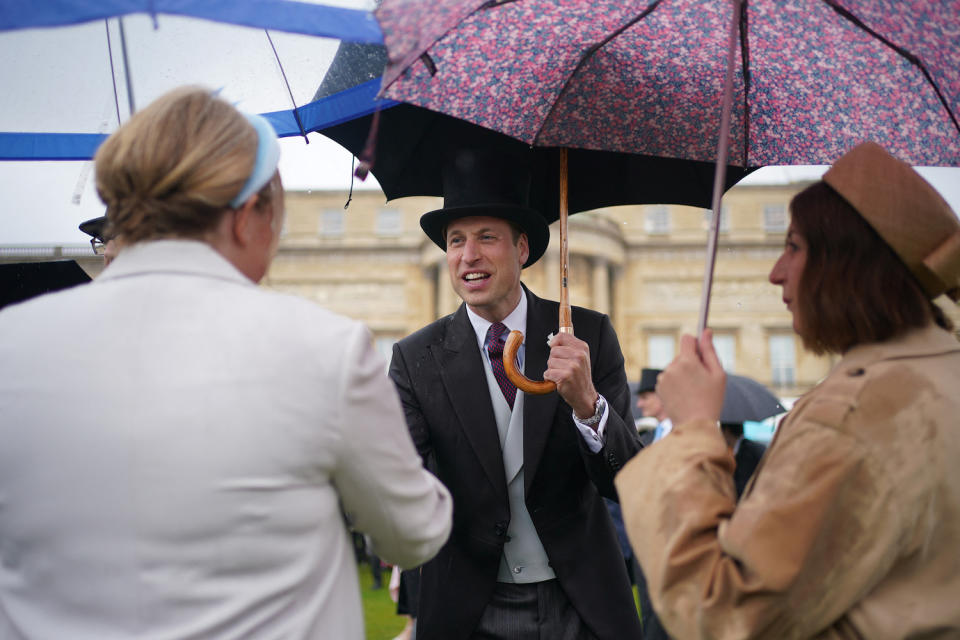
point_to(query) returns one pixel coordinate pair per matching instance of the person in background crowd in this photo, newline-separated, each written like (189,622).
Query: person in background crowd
(103,245)
(650,404)
(849,528)
(176,440)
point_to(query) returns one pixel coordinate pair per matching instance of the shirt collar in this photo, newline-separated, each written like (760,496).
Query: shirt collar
(515,321)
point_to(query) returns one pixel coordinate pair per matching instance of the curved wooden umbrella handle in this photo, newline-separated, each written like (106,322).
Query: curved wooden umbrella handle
(515,339)
(525,384)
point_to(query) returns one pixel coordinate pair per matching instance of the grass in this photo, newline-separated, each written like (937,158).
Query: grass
(379,611)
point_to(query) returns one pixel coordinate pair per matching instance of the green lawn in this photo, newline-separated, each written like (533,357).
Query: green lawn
(379,611)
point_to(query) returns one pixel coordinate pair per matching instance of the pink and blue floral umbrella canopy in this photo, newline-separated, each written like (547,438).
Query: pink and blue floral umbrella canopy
(822,75)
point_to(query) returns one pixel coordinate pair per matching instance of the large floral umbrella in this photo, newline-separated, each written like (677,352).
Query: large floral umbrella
(660,77)
(813,77)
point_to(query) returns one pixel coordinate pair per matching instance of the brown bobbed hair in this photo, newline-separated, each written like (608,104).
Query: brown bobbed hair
(854,289)
(172,169)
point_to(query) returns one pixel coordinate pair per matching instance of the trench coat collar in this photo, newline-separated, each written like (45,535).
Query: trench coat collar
(927,341)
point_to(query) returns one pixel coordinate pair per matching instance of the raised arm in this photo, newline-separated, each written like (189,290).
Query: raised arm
(385,489)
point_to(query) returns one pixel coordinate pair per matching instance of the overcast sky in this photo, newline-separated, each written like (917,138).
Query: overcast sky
(61,80)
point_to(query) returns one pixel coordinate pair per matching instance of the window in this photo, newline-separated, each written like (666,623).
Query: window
(775,218)
(725,345)
(660,350)
(331,222)
(384,346)
(657,220)
(388,222)
(724,218)
(783,361)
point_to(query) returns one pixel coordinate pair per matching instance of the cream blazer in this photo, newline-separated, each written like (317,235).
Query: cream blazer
(175,448)
(850,527)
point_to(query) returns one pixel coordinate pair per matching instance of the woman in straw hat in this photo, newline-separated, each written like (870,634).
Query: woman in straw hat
(850,527)
(178,443)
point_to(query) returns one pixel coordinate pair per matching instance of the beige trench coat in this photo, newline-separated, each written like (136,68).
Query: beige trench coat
(850,527)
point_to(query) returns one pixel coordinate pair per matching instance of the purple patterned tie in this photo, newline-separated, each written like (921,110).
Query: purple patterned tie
(495,342)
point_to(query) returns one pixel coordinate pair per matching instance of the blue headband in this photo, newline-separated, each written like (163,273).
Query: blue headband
(265,164)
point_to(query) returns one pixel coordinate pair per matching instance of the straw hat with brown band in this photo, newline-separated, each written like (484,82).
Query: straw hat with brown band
(908,213)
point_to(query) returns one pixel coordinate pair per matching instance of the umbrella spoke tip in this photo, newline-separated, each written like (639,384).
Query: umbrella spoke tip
(362,171)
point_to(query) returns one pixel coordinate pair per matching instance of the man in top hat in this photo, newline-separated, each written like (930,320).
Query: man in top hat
(650,404)
(533,553)
(107,247)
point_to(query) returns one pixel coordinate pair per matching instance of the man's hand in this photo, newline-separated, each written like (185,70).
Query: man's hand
(692,386)
(569,367)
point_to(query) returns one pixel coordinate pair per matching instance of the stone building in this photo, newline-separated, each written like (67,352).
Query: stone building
(642,265)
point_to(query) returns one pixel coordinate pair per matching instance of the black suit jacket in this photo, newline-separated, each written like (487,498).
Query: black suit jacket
(439,375)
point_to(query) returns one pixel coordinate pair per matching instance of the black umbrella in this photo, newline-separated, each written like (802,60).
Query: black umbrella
(411,145)
(407,148)
(746,400)
(24,280)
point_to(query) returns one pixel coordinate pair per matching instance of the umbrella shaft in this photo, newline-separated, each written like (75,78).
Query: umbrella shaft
(723,146)
(566,323)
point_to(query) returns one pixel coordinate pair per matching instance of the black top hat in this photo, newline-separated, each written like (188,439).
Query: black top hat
(478,182)
(648,380)
(94,227)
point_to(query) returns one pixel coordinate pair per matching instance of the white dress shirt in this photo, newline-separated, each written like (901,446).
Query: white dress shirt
(516,320)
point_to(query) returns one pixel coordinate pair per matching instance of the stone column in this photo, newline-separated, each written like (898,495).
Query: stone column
(551,270)
(447,300)
(601,285)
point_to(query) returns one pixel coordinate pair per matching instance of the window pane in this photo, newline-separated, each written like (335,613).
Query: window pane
(724,218)
(331,222)
(384,346)
(725,346)
(657,220)
(775,217)
(660,350)
(783,361)
(388,222)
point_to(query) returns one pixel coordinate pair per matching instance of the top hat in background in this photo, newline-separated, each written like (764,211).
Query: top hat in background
(479,182)
(648,380)
(94,227)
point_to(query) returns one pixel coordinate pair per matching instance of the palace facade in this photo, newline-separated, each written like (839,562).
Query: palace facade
(642,265)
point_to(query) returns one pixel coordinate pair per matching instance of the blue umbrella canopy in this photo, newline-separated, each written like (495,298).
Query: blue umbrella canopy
(74,70)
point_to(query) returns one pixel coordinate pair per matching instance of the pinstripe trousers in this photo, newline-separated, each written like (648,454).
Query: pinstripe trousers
(534,611)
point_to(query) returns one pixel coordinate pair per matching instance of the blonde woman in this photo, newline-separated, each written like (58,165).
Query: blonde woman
(178,442)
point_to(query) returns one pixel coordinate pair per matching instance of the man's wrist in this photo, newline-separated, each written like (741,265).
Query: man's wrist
(593,419)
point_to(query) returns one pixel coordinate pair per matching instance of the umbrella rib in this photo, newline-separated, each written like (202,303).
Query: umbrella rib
(910,57)
(296,112)
(113,73)
(745,64)
(126,66)
(588,53)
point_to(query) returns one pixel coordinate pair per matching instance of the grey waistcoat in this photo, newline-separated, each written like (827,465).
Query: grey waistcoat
(524,559)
